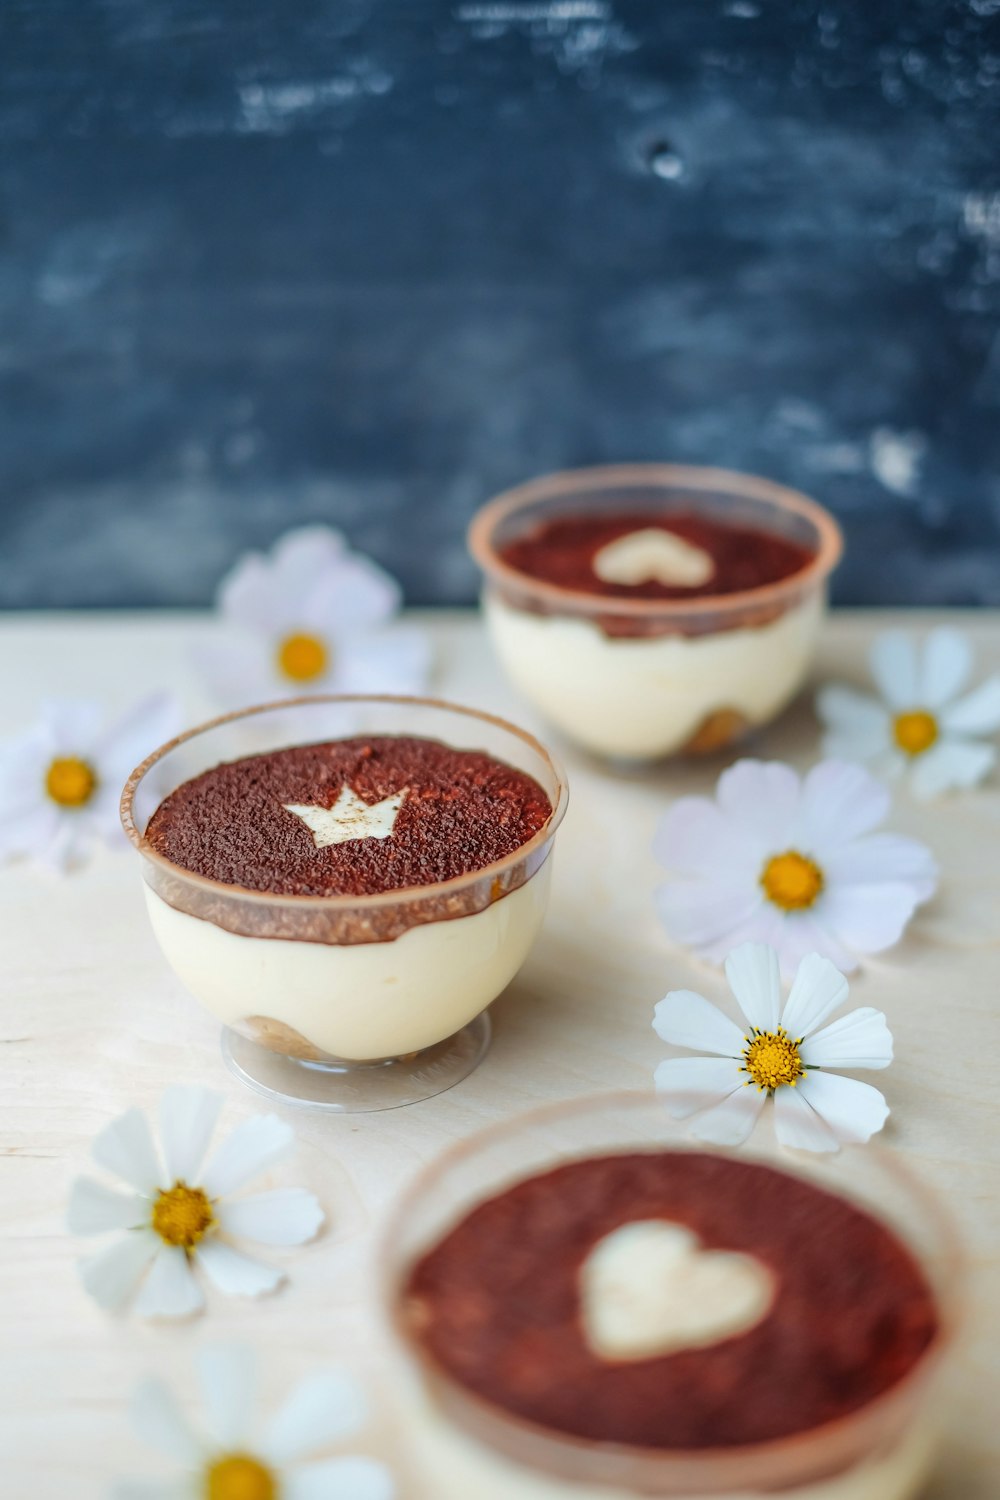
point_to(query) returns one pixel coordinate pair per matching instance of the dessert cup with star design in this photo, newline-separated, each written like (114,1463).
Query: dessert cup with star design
(347,1002)
(638,678)
(464,1443)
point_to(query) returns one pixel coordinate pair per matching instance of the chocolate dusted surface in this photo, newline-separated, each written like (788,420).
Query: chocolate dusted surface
(497,1304)
(561,551)
(463,810)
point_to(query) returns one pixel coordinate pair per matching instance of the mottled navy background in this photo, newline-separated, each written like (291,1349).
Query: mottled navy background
(272,261)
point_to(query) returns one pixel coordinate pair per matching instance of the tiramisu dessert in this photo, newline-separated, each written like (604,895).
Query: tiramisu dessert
(667,1322)
(651,609)
(353,899)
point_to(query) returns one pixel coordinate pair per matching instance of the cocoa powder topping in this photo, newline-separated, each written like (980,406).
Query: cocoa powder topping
(462,810)
(497,1304)
(562,551)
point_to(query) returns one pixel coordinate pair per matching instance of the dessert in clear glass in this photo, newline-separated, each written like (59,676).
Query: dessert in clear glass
(348,883)
(653,609)
(588,1303)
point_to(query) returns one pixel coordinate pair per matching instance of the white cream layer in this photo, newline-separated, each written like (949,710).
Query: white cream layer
(647,697)
(455,1467)
(365,1000)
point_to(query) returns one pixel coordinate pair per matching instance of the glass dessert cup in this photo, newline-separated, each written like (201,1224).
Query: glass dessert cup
(466,1445)
(347,1003)
(639,679)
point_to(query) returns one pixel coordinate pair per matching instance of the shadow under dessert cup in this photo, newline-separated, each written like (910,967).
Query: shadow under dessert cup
(588,1303)
(652,609)
(348,883)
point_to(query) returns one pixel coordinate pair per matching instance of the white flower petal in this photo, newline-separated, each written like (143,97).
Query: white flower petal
(817,990)
(804,932)
(253,1147)
(852,713)
(240,673)
(158,1420)
(305,557)
(340,1479)
(692,1083)
(321,1410)
(23,833)
(227,1375)
(247,597)
(840,801)
(894,667)
(351,599)
(687,1019)
(286,1216)
(796,1123)
(762,798)
(859,1040)
(187,1119)
(977,713)
(950,764)
(852,1110)
(140,731)
(764,925)
(945,669)
(752,972)
(235,1274)
(125,1147)
(700,911)
(387,661)
(70,844)
(883,857)
(730,1122)
(869,918)
(24,762)
(94,1208)
(112,1275)
(73,724)
(695,837)
(170,1290)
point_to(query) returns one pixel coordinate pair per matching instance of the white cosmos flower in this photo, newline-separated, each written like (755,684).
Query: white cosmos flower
(181,1211)
(791,862)
(61,781)
(237,1458)
(311,617)
(924,724)
(780,1053)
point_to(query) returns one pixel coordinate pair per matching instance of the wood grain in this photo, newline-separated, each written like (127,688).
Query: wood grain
(92,1022)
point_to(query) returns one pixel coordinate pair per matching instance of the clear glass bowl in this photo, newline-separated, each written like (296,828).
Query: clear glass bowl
(469,1445)
(343,1002)
(643,678)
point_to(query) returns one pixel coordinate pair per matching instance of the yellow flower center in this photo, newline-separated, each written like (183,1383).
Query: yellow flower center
(915,732)
(238,1476)
(792,881)
(182,1215)
(302,658)
(772,1059)
(70,782)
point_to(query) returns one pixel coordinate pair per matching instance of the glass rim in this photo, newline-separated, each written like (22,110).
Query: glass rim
(441,888)
(390,1282)
(484,523)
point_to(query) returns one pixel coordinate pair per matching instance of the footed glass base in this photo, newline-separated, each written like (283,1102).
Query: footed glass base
(357,1088)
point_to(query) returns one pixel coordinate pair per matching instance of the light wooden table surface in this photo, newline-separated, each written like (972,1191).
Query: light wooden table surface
(93,1022)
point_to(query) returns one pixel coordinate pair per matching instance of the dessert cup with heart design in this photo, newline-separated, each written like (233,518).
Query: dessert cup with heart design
(585,1302)
(372,994)
(638,641)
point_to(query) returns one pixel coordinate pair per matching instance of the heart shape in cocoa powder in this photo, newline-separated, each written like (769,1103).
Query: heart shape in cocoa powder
(649,1289)
(654,555)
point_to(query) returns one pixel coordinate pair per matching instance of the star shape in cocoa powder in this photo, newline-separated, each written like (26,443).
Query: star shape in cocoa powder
(349,818)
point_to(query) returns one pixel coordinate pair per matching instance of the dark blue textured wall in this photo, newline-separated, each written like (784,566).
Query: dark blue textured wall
(268,261)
